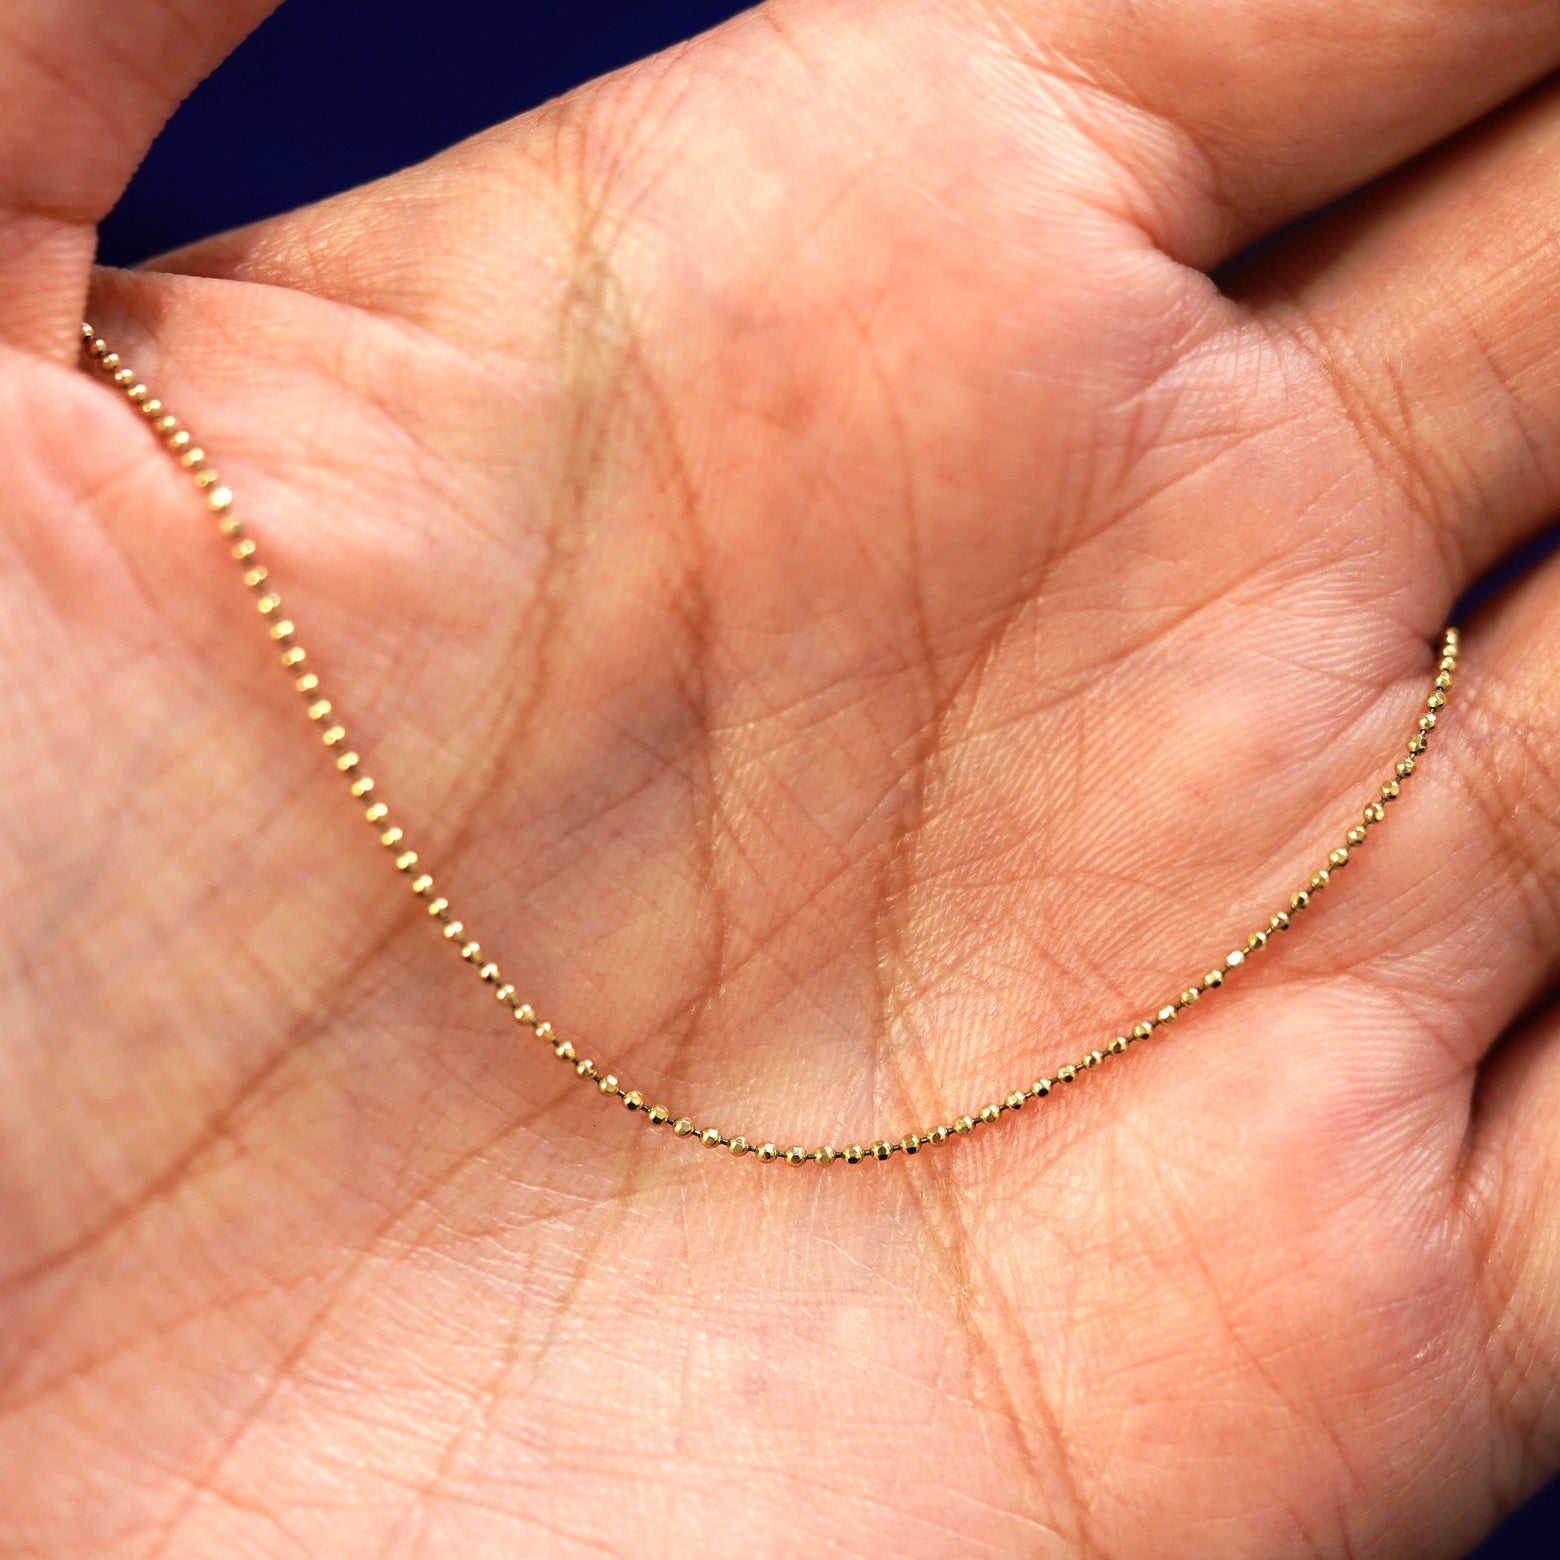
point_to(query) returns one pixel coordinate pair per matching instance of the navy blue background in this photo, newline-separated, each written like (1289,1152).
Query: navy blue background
(332,92)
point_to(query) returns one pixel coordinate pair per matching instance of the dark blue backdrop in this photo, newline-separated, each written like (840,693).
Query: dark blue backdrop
(332,92)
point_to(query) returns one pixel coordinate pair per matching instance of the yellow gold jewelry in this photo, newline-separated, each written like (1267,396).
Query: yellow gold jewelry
(333,735)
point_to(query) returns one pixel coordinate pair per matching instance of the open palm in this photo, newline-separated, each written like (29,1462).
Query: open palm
(852,613)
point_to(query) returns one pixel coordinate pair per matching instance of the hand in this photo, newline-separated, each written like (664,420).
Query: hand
(852,615)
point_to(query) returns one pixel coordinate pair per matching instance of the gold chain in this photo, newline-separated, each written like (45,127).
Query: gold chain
(181,444)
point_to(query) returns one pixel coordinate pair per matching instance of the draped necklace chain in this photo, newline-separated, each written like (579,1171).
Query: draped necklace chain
(361,789)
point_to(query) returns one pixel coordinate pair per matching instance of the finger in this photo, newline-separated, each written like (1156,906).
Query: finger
(85,85)
(1255,111)
(1428,315)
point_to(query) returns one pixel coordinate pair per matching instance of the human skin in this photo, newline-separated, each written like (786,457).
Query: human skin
(851,613)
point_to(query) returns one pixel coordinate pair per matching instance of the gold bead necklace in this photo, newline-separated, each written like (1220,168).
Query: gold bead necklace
(180,443)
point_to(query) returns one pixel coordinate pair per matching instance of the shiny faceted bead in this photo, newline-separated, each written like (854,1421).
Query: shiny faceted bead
(1190,995)
(1093,1059)
(738,1146)
(823,1156)
(1436,700)
(1040,1088)
(1117,1046)
(1213,978)
(1443,679)
(796,1156)
(1234,959)
(1339,858)
(1405,767)
(990,1113)
(633,1100)
(1280,922)
(1142,1031)
(1319,881)
(938,1135)
(608,1085)
(1427,721)
(657,1114)
(1417,744)
(585,1067)
(964,1124)
(488,972)
(1015,1101)
(505,994)
(1390,790)
(544,1031)
(1066,1074)
(682,1126)
(910,1143)
(854,1154)
(1166,1014)
(710,1137)
(1299,901)
(525,1014)
(767,1151)
(1356,835)
(881,1150)
(564,1050)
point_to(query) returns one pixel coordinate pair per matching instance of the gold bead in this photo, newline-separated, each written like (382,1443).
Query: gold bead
(179,441)
(488,972)
(585,1067)
(1391,790)
(682,1126)
(1436,700)
(1339,858)
(1015,1101)
(193,457)
(882,1149)
(506,994)
(422,884)
(990,1113)
(608,1084)
(1299,901)
(1319,881)
(220,499)
(1427,722)
(564,1051)
(1417,744)
(796,1156)
(1118,1045)
(1190,995)
(1166,1014)
(406,861)
(438,907)
(1356,835)
(377,813)
(710,1137)
(1066,1074)
(1040,1088)
(1093,1059)
(1443,680)
(657,1114)
(110,362)
(319,709)
(1405,767)
(823,1156)
(938,1135)
(544,1030)
(854,1154)
(738,1146)
(633,1100)
(963,1125)
(362,786)
(910,1143)
(454,930)
(767,1152)
(1234,959)
(283,630)
(1279,922)
(1213,978)
(296,655)
(526,1014)
(1142,1031)
(242,551)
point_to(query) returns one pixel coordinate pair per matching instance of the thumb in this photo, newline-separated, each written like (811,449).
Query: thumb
(85,85)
